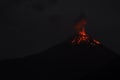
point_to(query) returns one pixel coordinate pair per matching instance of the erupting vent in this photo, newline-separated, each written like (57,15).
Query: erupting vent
(82,36)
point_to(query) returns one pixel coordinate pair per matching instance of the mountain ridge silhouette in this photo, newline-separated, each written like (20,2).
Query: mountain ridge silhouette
(68,61)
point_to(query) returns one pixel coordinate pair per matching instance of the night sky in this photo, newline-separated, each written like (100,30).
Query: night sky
(32,26)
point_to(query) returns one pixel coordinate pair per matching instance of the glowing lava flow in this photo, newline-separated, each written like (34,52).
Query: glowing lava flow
(82,36)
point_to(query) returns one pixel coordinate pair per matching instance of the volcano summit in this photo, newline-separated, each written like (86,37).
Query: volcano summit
(81,35)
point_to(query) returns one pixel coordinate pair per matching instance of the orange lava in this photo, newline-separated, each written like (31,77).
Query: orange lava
(82,36)
(95,41)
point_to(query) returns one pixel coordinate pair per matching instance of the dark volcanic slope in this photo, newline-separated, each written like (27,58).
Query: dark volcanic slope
(68,62)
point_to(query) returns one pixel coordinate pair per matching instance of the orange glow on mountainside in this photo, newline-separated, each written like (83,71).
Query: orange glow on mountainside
(82,36)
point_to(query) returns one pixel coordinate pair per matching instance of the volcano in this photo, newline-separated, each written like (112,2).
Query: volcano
(78,58)
(81,35)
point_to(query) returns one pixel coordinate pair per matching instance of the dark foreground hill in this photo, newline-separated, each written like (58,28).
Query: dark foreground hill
(67,62)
